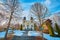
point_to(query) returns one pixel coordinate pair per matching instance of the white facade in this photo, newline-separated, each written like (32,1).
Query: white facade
(28,25)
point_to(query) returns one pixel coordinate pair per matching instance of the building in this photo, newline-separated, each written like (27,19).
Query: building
(28,24)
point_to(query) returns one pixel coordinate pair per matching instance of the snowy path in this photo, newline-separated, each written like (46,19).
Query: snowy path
(30,33)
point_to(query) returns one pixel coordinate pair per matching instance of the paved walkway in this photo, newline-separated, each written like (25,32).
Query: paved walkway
(23,38)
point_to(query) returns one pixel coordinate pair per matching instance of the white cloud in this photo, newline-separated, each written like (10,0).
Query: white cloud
(25,13)
(26,5)
(47,2)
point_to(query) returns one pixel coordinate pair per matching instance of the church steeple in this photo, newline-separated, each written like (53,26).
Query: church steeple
(31,19)
(24,19)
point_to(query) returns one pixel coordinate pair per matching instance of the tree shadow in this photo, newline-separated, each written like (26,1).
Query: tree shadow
(56,36)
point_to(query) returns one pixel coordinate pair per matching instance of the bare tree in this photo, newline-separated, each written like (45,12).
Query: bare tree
(12,7)
(40,11)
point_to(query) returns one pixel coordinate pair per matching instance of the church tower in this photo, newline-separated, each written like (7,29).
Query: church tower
(24,23)
(31,23)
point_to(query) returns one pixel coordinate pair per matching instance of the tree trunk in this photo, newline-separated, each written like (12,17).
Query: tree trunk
(8,26)
(40,27)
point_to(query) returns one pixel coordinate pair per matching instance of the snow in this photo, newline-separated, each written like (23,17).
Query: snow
(30,33)
(34,33)
(2,34)
(47,36)
(18,32)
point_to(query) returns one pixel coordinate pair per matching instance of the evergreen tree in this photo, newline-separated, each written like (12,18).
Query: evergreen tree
(57,28)
(51,32)
(35,26)
(21,27)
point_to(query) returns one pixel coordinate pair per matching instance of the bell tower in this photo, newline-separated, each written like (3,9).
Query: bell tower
(31,23)
(24,23)
(31,19)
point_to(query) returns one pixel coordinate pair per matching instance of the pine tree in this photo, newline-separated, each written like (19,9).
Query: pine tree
(48,23)
(21,27)
(57,28)
(35,26)
(51,32)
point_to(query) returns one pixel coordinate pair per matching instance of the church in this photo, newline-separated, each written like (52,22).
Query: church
(28,24)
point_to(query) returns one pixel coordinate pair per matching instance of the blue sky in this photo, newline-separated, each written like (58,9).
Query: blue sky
(52,5)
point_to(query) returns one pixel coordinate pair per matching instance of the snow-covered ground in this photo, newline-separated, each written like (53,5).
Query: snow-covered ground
(47,36)
(2,34)
(30,33)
